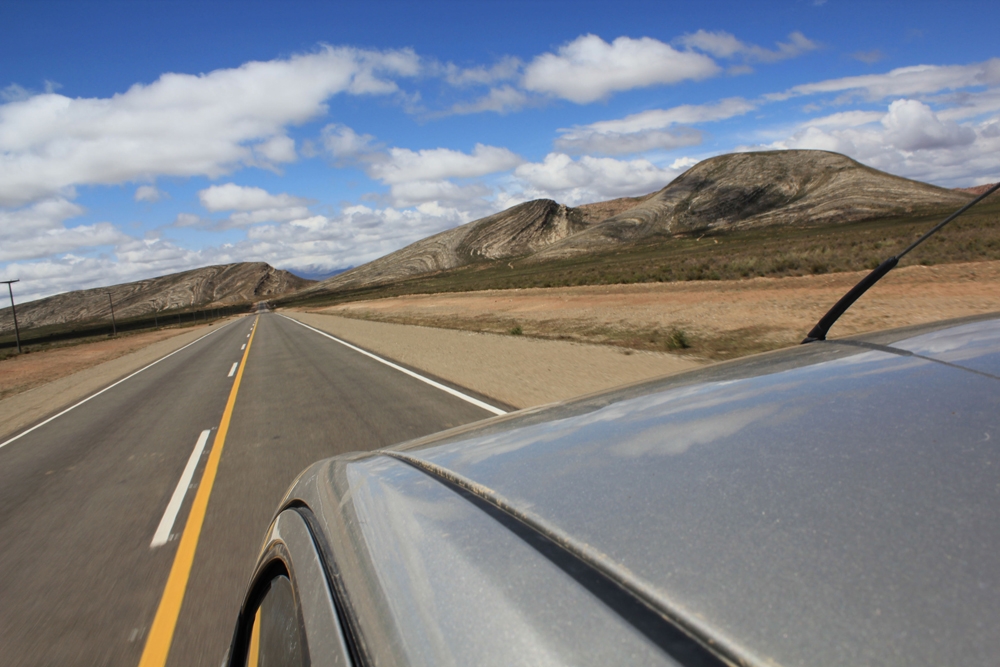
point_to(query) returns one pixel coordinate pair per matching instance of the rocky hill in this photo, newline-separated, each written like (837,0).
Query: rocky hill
(728,192)
(225,284)
(745,190)
(518,231)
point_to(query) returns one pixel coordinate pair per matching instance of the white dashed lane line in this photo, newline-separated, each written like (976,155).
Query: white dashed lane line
(162,534)
(243,346)
(232,371)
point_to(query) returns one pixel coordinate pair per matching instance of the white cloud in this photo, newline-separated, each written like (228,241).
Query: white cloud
(588,68)
(912,126)
(589,179)
(357,235)
(911,140)
(40,230)
(148,193)
(14,93)
(419,192)
(907,81)
(623,143)
(191,220)
(252,205)
(505,69)
(344,143)
(232,197)
(401,165)
(181,124)
(846,119)
(502,100)
(649,130)
(725,45)
(276,150)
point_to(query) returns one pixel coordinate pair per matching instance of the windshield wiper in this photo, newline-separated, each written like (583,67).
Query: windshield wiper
(823,326)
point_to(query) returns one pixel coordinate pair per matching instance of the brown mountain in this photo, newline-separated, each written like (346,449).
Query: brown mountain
(745,190)
(518,231)
(736,191)
(225,284)
(976,189)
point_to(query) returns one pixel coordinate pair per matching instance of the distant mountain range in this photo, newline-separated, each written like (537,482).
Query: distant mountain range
(729,192)
(221,285)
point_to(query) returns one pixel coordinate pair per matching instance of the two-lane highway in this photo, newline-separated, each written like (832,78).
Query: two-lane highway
(82,496)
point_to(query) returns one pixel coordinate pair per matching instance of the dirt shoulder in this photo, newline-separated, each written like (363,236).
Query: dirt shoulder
(515,370)
(707,319)
(42,383)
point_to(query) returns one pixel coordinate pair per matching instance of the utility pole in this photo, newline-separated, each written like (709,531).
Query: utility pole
(114,327)
(17,334)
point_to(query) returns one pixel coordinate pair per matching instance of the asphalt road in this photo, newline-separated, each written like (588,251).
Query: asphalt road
(82,496)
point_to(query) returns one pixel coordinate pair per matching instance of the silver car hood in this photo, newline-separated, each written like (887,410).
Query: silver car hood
(836,503)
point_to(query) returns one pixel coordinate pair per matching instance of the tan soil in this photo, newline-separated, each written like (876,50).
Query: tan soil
(42,383)
(515,370)
(721,319)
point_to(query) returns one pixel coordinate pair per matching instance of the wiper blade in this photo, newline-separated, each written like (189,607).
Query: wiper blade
(823,326)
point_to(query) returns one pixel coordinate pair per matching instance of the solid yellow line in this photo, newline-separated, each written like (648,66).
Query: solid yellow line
(161,634)
(254,654)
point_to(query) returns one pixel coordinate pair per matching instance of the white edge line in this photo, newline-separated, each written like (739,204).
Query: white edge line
(110,386)
(437,385)
(232,370)
(162,533)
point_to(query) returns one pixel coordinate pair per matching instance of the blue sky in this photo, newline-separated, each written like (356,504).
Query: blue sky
(142,138)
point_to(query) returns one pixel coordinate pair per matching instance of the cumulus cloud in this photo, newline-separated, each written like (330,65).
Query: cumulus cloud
(403,165)
(588,68)
(343,143)
(232,197)
(276,150)
(40,230)
(590,179)
(181,124)
(725,45)
(420,176)
(252,205)
(910,140)
(911,126)
(650,129)
(148,193)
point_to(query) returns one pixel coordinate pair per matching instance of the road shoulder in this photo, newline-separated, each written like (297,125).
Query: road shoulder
(33,405)
(515,370)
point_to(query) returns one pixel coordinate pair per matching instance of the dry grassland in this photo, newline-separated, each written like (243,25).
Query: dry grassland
(710,319)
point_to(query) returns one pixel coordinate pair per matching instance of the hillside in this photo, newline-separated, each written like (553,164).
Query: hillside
(728,193)
(520,230)
(752,190)
(225,284)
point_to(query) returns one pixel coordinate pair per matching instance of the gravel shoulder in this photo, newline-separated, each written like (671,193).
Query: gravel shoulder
(41,384)
(516,370)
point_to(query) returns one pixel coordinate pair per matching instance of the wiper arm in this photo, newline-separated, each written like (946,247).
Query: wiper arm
(823,326)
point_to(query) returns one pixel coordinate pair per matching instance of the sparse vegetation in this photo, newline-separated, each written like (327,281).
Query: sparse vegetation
(516,330)
(771,251)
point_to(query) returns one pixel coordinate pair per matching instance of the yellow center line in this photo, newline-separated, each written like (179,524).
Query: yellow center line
(161,634)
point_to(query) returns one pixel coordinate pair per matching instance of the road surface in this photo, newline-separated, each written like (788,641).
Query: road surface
(87,550)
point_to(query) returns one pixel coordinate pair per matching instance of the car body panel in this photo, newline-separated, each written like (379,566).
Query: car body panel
(836,503)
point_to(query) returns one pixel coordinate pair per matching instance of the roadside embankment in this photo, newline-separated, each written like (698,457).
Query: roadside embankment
(516,370)
(42,383)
